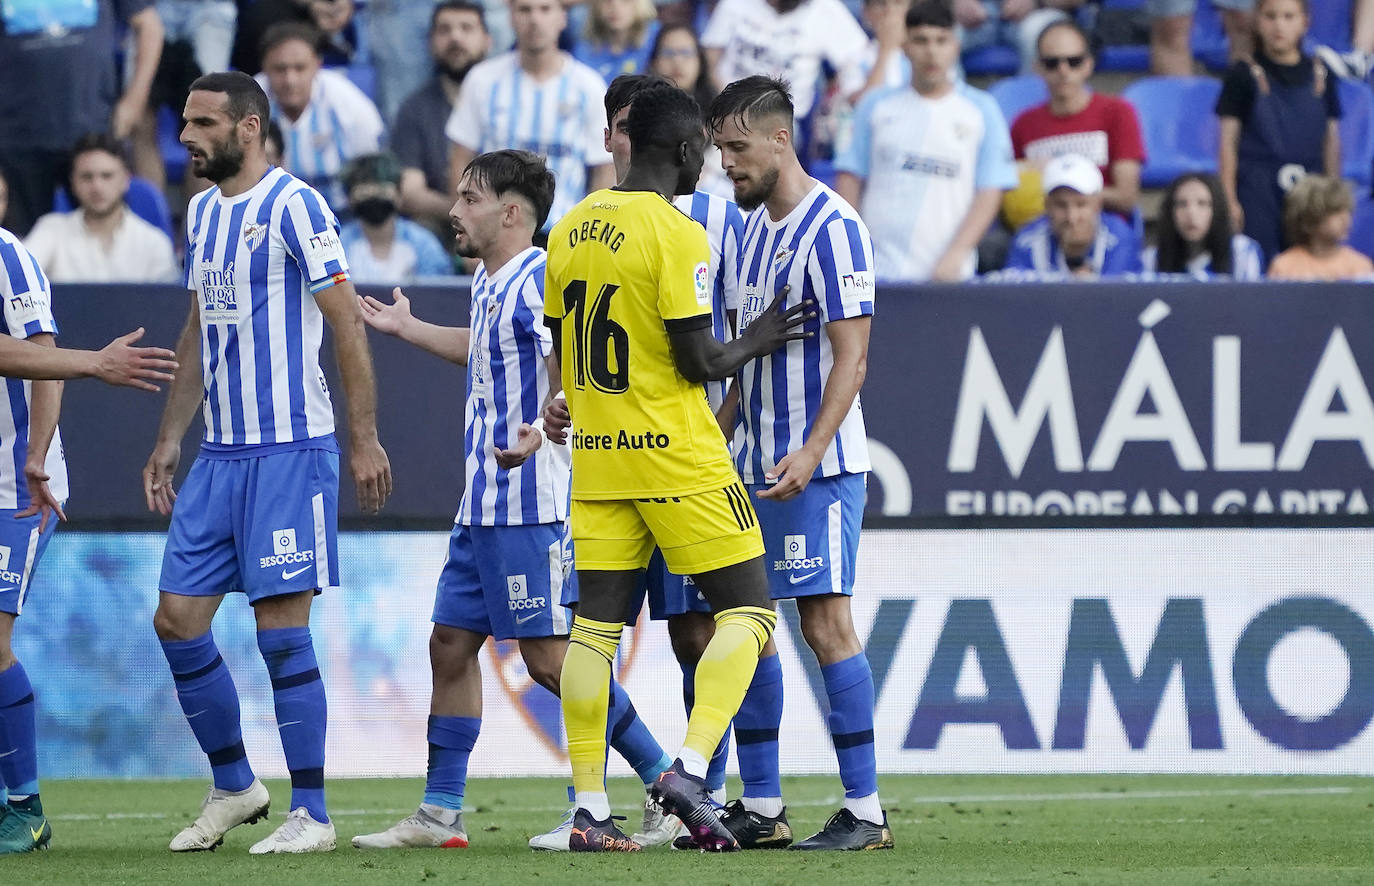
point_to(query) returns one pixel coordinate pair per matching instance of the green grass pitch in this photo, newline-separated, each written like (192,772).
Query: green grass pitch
(949,829)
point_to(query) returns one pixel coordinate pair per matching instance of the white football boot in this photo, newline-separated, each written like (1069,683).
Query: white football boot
(299,833)
(659,827)
(556,840)
(221,811)
(426,828)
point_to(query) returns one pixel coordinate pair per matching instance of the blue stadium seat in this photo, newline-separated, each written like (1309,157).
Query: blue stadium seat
(364,76)
(1330,24)
(1362,224)
(144,198)
(1179,124)
(1357,131)
(1134,59)
(1209,38)
(1001,61)
(174,156)
(1016,94)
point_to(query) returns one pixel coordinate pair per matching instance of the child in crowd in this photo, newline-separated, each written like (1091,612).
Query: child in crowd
(1317,217)
(1195,234)
(1279,118)
(617,37)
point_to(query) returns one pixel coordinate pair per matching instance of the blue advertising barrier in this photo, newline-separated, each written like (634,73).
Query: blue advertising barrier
(1038,403)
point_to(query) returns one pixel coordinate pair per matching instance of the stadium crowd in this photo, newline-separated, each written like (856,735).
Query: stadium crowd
(1045,173)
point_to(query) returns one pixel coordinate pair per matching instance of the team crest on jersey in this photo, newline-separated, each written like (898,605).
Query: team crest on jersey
(538,707)
(253,234)
(783,253)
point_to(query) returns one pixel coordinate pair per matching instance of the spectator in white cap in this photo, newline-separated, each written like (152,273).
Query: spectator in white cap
(1074,237)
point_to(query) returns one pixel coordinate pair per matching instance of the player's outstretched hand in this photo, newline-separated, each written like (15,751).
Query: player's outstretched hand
(557,420)
(527,441)
(774,328)
(41,500)
(157,477)
(388,319)
(371,474)
(792,473)
(120,363)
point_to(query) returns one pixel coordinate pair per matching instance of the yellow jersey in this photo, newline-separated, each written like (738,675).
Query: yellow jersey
(625,267)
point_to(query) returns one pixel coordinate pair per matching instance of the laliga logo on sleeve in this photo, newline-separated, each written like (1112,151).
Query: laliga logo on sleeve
(702,281)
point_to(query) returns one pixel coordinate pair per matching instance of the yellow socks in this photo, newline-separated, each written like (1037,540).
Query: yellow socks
(723,675)
(585,687)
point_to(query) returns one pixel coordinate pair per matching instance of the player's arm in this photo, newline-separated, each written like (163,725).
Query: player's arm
(701,357)
(445,342)
(849,348)
(146,26)
(183,399)
(118,363)
(727,416)
(981,212)
(367,459)
(45,405)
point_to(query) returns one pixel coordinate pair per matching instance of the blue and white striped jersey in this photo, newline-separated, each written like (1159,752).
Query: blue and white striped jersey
(27,311)
(338,124)
(823,251)
(724,225)
(507,385)
(562,119)
(255,262)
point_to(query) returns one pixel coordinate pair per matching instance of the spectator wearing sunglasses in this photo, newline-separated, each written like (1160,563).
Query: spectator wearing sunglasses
(1076,120)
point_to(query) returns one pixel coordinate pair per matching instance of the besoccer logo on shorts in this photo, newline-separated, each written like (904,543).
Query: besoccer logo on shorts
(5,574)
(284,550)
(518,589)
(794,555)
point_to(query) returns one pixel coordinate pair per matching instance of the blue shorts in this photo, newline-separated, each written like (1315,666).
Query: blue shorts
(669,595)
(21,547)
(266,525)
(505,581)
(812,540)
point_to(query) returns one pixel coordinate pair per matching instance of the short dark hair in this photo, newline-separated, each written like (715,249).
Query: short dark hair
(100,141)
(751,98)
(245,96)
(368,168)
(663,117)
(457,6)
(930,14)
(623,89)
(285,32)
(520,172)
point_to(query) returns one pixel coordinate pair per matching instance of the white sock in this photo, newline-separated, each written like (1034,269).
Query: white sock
(692,762)
(770,807)
(868,808)
(441,814)
(719,796)
(596,803)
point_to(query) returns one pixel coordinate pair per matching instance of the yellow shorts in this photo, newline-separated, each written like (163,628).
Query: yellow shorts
(697,533)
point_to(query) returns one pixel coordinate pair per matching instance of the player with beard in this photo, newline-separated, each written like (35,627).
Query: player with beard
(504,575)
(628,298)
(802,451)
(458,39)
(258,510)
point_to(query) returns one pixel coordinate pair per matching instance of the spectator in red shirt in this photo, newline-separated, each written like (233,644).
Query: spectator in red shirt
(1077,120)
